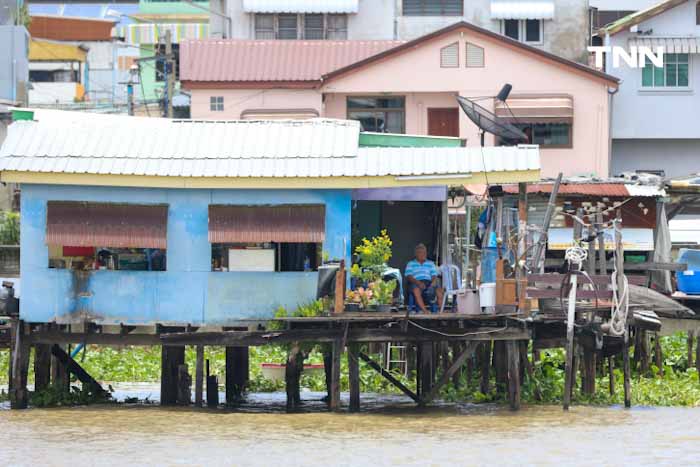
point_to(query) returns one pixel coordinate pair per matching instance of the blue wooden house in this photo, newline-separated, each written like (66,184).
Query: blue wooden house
(128,220)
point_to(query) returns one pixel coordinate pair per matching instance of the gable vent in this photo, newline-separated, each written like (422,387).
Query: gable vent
(449,56)
(475,56)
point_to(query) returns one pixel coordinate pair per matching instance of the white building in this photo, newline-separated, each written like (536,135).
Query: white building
(558,26)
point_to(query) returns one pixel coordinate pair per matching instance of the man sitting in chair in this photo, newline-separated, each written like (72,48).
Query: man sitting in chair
(422,276)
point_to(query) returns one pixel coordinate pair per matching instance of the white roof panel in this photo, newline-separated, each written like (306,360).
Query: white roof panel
(300,6)
(522,9)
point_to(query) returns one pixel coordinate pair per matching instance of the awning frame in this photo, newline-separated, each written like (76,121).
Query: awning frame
(522,9)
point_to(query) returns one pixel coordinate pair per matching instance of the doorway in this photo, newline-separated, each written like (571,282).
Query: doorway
(443,122)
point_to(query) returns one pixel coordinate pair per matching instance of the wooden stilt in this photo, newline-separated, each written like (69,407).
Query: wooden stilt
(485,367)
(212,389)
(334,402)
(691,335)
(626,373)
(620,267)
(658,356)
(184,385)
(19,395)
(199,377)
(500,366)
(513,357)
(378,368)
(451,369)
(73,367)
(589,371)
(237,373)
(354,377)
(426,367)
(59,372)
(292,374)
(42,366)
(611,375)
(697,360)
(171,358)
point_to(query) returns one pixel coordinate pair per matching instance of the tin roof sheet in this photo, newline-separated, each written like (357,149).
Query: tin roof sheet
(271,60)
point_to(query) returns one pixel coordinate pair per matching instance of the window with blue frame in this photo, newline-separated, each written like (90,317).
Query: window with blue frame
(674,74)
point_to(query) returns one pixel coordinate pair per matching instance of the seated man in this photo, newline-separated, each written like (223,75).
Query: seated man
(421,275)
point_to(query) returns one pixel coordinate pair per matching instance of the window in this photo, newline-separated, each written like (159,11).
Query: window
(449,56)
(674,73)
(475,56)
(161,64)
(547,135)
(529,31)
(53,76)
(216,103)
(300,26)
(433,7)
(378,114)
(89,236)
(266,238)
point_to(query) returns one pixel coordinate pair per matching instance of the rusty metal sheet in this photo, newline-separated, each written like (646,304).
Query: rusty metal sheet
(106,224)
(292,224)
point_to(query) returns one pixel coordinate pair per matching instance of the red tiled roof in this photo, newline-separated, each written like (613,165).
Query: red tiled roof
(270,60)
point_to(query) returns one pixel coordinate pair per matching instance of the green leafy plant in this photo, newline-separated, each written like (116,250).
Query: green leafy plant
(9,228)
(383,291)
(373,255)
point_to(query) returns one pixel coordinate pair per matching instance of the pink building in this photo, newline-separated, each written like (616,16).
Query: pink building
(410,87)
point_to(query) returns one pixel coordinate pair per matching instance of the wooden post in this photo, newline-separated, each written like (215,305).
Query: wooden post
(199,377)
(611,375)
(172,356)
(212,389)
(292,374)
(620,266)
(237,371)
(339,301)
(19,395)
(537,255)
(602,262)
(500,365)
(644,353)
(354,377)
(658,357)
(697,360)
(485,367)
(691,334)
(42,366)
(59,372)
(426,367)
(184,385)
(334,402)
(378,368)
(513,355)
(520,273)
(589,371)
(449,371)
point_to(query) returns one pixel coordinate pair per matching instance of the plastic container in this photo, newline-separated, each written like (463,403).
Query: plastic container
(468,302)
(487,295)
(689,280)
(489,256)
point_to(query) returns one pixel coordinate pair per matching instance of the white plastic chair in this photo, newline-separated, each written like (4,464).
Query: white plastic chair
(451,282)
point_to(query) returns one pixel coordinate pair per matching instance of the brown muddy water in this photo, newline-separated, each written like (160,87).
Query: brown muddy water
(389,432)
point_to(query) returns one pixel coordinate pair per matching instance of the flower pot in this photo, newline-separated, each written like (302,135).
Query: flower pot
(352,307)
(384,308)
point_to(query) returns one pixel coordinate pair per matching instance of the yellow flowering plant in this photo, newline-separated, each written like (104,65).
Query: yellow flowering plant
(373,255)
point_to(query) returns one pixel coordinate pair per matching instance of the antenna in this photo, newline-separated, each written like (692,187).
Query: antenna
(488,122)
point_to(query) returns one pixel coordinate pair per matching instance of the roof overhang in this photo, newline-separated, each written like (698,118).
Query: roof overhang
(638,17)
(300,6)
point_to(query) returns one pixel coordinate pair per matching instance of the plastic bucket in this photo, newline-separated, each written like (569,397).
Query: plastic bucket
(487,294)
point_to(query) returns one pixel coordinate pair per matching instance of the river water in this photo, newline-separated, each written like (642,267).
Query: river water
(389,432)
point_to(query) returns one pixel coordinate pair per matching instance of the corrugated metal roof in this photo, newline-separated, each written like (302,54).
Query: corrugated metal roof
(144,139)
(242,224)
(522,9)
(70,29)
(300,6)
(671,45)
(259,60)
(252,149)
(586,189)
(55,51)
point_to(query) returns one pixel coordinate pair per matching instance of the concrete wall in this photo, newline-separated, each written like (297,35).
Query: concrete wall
(188,292)
(14,64)
(53,93)
(676,157)
(236,101)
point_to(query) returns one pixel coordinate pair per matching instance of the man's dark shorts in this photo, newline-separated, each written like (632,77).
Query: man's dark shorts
(428,292)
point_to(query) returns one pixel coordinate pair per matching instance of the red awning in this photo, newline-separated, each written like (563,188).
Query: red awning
(106,224)
(257,224)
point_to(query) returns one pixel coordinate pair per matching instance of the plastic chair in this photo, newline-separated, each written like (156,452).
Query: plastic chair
(451,283)
(412,304)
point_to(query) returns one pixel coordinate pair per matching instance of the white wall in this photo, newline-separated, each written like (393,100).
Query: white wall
(52,93)
(675,157)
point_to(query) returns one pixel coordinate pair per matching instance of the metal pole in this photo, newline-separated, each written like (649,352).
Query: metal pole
(130,96)
(170,74)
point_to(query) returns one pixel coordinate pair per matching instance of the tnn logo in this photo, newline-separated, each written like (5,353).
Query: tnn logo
(636,58)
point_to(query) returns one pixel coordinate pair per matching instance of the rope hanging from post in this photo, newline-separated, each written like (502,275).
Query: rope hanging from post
(620,302)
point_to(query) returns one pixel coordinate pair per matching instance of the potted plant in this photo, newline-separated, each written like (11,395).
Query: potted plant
(383,294)
(358,300)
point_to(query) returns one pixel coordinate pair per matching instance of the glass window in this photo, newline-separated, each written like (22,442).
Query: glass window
(532,30)
(216,103)
(674,73)
(378,114)
(432,7)
(555,134)
(511,28)
(264,26)
(313,27)
(337,27)
(287,26)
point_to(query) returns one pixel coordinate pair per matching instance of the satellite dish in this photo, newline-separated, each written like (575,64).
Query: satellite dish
(488,122)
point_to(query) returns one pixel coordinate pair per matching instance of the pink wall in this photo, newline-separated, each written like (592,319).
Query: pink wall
(237,101)
(418,75)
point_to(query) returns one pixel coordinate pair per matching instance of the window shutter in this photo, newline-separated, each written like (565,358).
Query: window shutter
(475,56)
(449,56)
